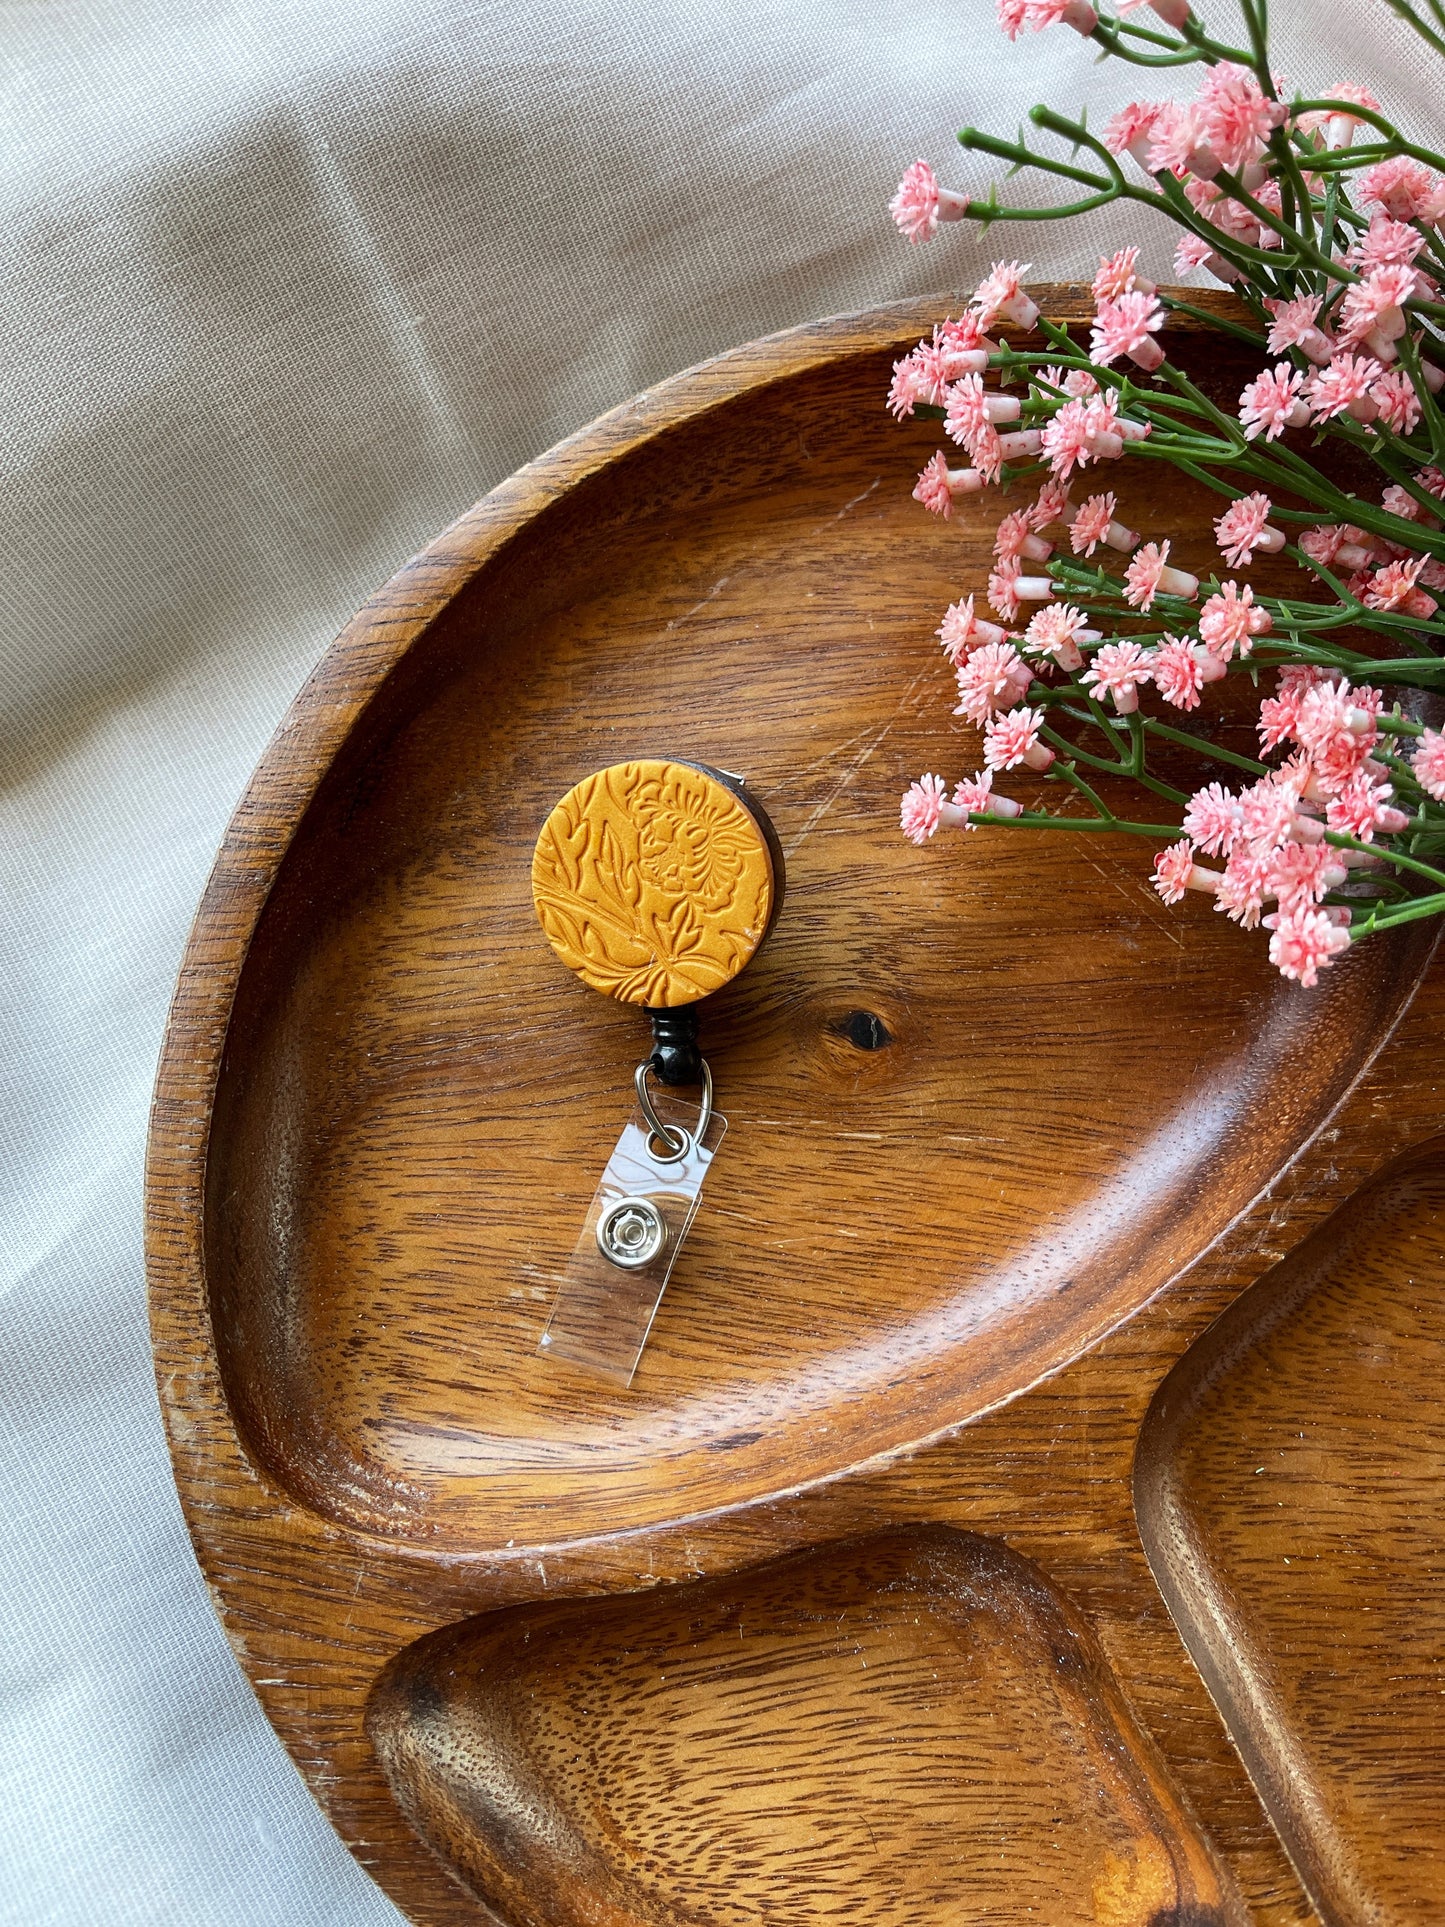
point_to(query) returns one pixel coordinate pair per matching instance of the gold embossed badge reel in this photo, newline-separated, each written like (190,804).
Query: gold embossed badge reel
(655,881)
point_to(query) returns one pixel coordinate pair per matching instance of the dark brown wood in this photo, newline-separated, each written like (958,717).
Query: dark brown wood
(937,1280)
(910,1726)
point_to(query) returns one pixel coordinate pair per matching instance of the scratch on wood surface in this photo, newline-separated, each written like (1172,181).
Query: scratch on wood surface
(862,496)
(711,596)
(868,751)
(1132,900)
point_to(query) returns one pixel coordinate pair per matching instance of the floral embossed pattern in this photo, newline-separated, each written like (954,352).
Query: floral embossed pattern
(653,882)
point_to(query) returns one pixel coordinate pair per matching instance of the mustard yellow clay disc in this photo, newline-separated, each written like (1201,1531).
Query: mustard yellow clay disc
(653,882)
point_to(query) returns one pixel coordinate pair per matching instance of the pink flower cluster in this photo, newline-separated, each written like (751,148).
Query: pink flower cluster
(1272,835)
(1339,778)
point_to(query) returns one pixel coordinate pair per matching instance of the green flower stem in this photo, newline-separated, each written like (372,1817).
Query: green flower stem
(1062,745)
(1203,747)
(1220,322)
(1108,34)
(1429,408)
(1397,857)
(1412,912)
(1046,820)
(1422,27)
(976,140)
(1393,143)
(1064,772)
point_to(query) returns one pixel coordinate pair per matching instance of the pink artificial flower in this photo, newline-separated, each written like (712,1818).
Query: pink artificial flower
(1175,871)
(1107,431)
(1376,304)
(932,487)
(1013,738)
(1117,671)
(1295,325)
(1067,441)
(907,388)
(1149,574)
(1230,621)
(1057,631)
(1127,327)
(1396,401)
(1177,144)
(1221,210)
(972,410)
(1080,384)
(1213,819)
(962,346)
(1091,524)
(932,373)
(993,678)
(1085,431)
(1337,727)
(1131,130)
(1393,587)
(1242,886)
(1385,244)
(986,450)
(922,808)
(1053,505)
(1267,813)
(962,632)
(1095,523)
(1301,873)
(1015,15)
(1000,295)
(1271,403)
(1236,117)
(1193,251)
(1339,126)
(1244,527)
(1279,715)
(1119,275)
(1428,763)
(1335,544)
(1360,806)
(1015,537)
(1399,501)
(920,204)
(1178,669)
(975,797)
(1269,195)
(1343,387)
(1003,589)
(1402,187)
(1304,941)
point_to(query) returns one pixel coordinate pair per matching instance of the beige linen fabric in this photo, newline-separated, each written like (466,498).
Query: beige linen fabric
(283,287)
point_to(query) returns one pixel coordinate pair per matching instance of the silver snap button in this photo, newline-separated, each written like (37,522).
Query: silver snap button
(631,1232)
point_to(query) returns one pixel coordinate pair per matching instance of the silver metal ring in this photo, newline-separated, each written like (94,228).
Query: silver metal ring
(678,1141)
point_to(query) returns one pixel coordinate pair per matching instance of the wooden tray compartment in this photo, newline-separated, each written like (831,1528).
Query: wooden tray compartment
(1291,1493)
(1006,1135)
(915,1724)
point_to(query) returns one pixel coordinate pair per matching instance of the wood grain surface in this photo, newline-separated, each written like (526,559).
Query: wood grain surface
(1298,1530)
(1006,1135)
(910,1726)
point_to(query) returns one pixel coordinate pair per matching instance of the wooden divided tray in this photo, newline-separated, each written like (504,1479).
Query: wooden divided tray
(1029,1506)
